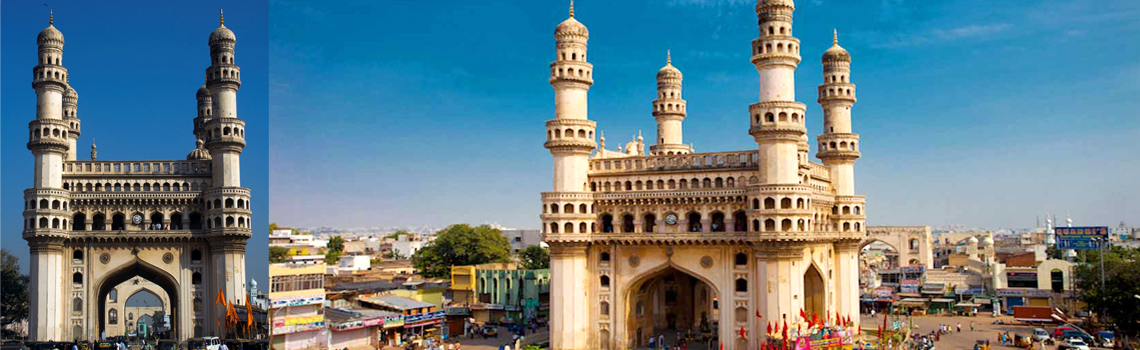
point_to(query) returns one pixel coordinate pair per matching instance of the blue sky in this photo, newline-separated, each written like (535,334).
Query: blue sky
(137,66)
(971,112)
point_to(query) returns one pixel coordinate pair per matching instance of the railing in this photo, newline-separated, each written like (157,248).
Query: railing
(165,167)
(663,194)
(719,160)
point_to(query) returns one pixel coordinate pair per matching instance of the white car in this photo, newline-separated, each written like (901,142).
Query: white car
(1039,334)
(1076,344)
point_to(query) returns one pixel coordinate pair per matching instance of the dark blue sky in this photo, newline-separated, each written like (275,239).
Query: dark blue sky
(136,66)
(974,112)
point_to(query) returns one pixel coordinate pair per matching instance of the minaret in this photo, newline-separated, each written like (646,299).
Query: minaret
(228,226)
(777,119)
(838,146)
(70,107)
(669,110)
(45,224)
(205,111)
(570,139)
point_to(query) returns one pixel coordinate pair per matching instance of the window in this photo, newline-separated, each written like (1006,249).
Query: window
(741,285)
(605,281)
(113,316)
(605,257)
(741,259)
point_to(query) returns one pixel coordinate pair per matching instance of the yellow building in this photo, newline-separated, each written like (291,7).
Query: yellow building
(297,294)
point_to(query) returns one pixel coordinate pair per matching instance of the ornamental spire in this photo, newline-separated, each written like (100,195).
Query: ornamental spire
(668,57)
(835,36)
(51,17)
(221,17)
(571,8)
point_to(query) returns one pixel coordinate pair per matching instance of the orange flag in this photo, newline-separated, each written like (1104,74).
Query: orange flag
(248,313)
(221,299)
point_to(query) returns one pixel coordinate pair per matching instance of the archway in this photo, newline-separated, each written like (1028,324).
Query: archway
(126,272)
(671,302)
(879,255)
(814,292)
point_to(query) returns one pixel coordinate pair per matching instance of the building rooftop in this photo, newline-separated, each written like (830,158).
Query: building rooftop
(396,302)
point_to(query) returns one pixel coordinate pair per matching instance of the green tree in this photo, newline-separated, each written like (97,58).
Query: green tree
(534,258)
(1115,299)
(332,257)
(14,289)
(397,234)
(461,244)
(395,255)
(336,243)
(272,227)
(278,254)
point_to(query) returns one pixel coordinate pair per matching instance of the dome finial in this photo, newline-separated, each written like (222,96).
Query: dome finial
(668,56)
(835,36)
(51,17)
(571,8)
(221,17)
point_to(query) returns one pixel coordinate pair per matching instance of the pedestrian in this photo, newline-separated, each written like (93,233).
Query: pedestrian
(971,326)
(959,327)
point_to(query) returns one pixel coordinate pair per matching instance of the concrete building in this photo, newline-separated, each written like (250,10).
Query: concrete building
(500,292)
(520,239)
(360,328)
(92,226)
(673,240)
(297,295)
(408,244)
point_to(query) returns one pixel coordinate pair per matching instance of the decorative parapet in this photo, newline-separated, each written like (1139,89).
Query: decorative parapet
(155,167)
(692,161)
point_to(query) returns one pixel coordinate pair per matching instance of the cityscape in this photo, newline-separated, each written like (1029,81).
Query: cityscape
(779,175)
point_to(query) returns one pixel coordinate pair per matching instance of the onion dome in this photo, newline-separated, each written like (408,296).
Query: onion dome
(668,71)
(50,35)
(973,240)
(836,52)
(766,3)
(203,93)
(222,33)
(70,96)
(803,144)
(571,27)
(988,241)
(199,153)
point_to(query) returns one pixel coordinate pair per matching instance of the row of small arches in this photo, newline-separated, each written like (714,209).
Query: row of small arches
(782,29)
(145,187)
(568,208)
(670,107)
(785,203)
(227,131)
(55,204)
(773,117)
(224,59)
(49,59)
(839,92)
(838,78)
(573,56)
(841,145)
(558,133)
(118,222)
(672,184)
(49,73)
(571,72)
(227,73)
(767,48)
(47,131)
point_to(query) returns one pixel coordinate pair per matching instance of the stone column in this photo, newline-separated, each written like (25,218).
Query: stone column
(569,289)
(706,224)
(776,293)
(48,306)
(847,279)
(227,273)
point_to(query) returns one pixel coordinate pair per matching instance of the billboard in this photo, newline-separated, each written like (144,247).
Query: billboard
(1083,237)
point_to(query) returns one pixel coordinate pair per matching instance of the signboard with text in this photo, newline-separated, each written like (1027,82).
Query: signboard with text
(1085,237)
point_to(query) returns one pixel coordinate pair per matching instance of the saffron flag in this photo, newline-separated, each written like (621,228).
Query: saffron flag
(743,333)
(221,299)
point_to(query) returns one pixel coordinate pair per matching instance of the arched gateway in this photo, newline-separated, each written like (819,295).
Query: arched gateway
(678,241)
(95,226)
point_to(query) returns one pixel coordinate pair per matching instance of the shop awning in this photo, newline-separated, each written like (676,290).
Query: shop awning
(942,300)
(912,302)
(966,305)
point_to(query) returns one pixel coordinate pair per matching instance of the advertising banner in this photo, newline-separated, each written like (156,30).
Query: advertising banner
(311,299)
(1083,238)
(884,292)
(913,269)
(1006,292)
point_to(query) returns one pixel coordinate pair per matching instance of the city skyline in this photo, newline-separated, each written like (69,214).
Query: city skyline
(965,110)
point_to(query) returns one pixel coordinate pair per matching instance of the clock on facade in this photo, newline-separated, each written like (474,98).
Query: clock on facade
(137,219)
(671,219)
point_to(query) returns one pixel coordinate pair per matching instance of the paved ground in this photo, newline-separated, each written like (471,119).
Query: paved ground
(504,338)
(984,329)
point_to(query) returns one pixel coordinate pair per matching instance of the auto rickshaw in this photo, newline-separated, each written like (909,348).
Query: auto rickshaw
(983,344)
(1022,341)
(104,345)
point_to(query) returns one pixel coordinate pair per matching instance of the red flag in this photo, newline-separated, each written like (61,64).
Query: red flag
(769,327)
(743,333)
(758,314)
(785,331)
(803,314)
(721,346)
(814,320)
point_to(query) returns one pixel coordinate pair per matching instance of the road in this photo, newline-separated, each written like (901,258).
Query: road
(984,329)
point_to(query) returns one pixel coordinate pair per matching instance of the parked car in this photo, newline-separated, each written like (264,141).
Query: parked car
(1039,334)
(1060,329)
(1074,344)
(1107,339)
(166,344)
(204,343)
(1077,334)
(12,345)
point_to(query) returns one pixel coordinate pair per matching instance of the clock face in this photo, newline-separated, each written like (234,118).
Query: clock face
(137,219)
(671,219)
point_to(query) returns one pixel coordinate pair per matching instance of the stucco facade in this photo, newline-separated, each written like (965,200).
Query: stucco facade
(93,225)
(671,240)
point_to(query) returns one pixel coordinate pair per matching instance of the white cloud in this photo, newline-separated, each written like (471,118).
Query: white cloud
(975,32)
(708,3)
